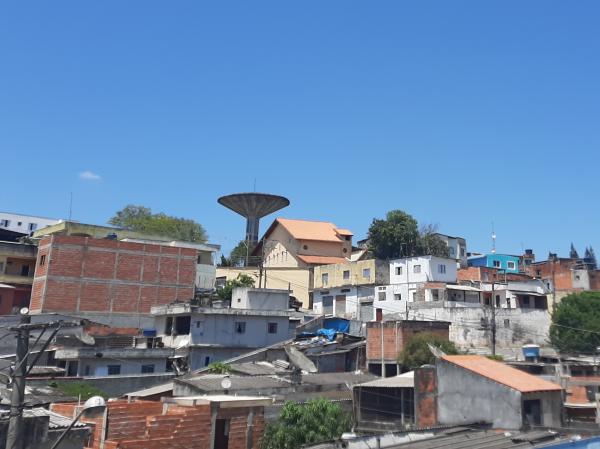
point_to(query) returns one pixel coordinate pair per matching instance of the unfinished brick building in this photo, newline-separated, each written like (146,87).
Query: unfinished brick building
(386,339)
(212,422)
(85,274)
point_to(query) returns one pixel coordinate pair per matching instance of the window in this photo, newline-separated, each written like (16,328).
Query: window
(497,300)
(206,361)
(577,277)
(525,301)
(345,290)
(346,274)
(532,412)
(538,272)
(398,271)
(397,297)
(416,268)
(240,327)
(182,325)
(511,265)
(114,370)
(147,369)
(451,250)
(496,263)
(25,270)
(325,278)
(32,226)
(366,272)
(435,295)
(463,251)
(305,247)
(169,325)
(42,260)
(441,268)
(272,328)
(19,223)
(87,370)
(381,296)
(507,323)
(414,296)
(508,303)
(5,223)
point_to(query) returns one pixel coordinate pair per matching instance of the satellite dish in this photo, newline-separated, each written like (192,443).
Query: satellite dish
(226,383)
(24,311)
(299,360)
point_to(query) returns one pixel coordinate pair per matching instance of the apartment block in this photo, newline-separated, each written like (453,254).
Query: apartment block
(85,274)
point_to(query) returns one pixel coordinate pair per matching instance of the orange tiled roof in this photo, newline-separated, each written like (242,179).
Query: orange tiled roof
(311,230)
(322,260)
(502,373)
(342,231)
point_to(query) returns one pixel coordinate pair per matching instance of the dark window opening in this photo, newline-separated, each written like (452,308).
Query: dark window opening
(272,328)
(206,361)
(42,260)
(114,370)
(532,412)
(240,327)
(25,270)
(146,369)
(182,325)
(169,325)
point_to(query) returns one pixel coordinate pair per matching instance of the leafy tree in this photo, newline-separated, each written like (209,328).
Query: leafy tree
(416,353)
(316,421)
(78,389)
(572,318)
(237,256)
(398,236)
(140,218)
(242,280)
(219,368)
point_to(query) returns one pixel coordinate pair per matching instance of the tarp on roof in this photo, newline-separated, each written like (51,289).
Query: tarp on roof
(328,333)
(337,324)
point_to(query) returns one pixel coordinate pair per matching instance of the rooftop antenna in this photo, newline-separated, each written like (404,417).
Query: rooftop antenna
(493,239)
(71,206)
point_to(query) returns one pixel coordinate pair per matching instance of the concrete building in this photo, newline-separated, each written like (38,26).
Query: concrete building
(303,243)
(202,335)
(387,339)
(198,422)
(506,262)
(413,279)
(348,289)
(463,389)
(17,265)
(24,224)
(296,280)
(457,249)
(100,351)
(86,274)
(563,276)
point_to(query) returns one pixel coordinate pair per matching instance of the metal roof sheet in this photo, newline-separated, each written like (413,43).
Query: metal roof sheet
(405,380)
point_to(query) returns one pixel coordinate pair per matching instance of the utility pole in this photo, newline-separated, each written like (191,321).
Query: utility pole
(14,439)
(493,318)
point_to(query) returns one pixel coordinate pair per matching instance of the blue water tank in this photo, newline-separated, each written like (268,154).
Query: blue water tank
(531,352)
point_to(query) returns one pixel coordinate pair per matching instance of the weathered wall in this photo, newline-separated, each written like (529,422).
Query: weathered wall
(100,275)
(464,397)
(471,330)
(378,273)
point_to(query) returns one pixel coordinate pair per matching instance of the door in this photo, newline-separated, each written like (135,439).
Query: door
(340,305)
(532,413)
(222,434)
(378,314)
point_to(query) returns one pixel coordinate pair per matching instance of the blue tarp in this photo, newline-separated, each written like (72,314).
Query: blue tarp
(329,333)
(337,324)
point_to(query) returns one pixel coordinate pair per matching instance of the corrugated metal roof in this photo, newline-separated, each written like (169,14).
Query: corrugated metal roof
(211,383)
(56,421)
(502,373)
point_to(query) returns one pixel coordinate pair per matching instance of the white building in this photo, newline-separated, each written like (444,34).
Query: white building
(457,248)
(203,335)
(413,279)
(25,224)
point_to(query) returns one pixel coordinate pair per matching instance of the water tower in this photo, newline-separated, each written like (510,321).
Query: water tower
(253,206)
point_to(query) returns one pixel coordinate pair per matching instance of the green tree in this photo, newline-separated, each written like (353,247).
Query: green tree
(416,353)
(316,421)
(396,236)
(242,280)
(576,323)
(141,219)
(237,256)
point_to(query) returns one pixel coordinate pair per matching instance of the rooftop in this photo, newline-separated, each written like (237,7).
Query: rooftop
(405,380)
(502,373)
(311,230)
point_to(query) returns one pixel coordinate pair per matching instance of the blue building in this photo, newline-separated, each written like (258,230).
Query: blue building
(499,261)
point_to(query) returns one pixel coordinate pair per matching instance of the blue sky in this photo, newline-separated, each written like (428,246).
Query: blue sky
(460,113)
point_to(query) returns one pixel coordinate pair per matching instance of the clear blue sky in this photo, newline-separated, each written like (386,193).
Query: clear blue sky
(461,113)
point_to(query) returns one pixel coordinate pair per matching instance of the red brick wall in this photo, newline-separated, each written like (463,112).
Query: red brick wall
(487,274)
(563,277)
(83,274)
(145,424)
(425,397)
(395,336)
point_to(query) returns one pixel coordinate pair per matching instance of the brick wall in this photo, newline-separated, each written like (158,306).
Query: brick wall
(487,274)
(395,336)
(154,425)
(83,274)
(426,397)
